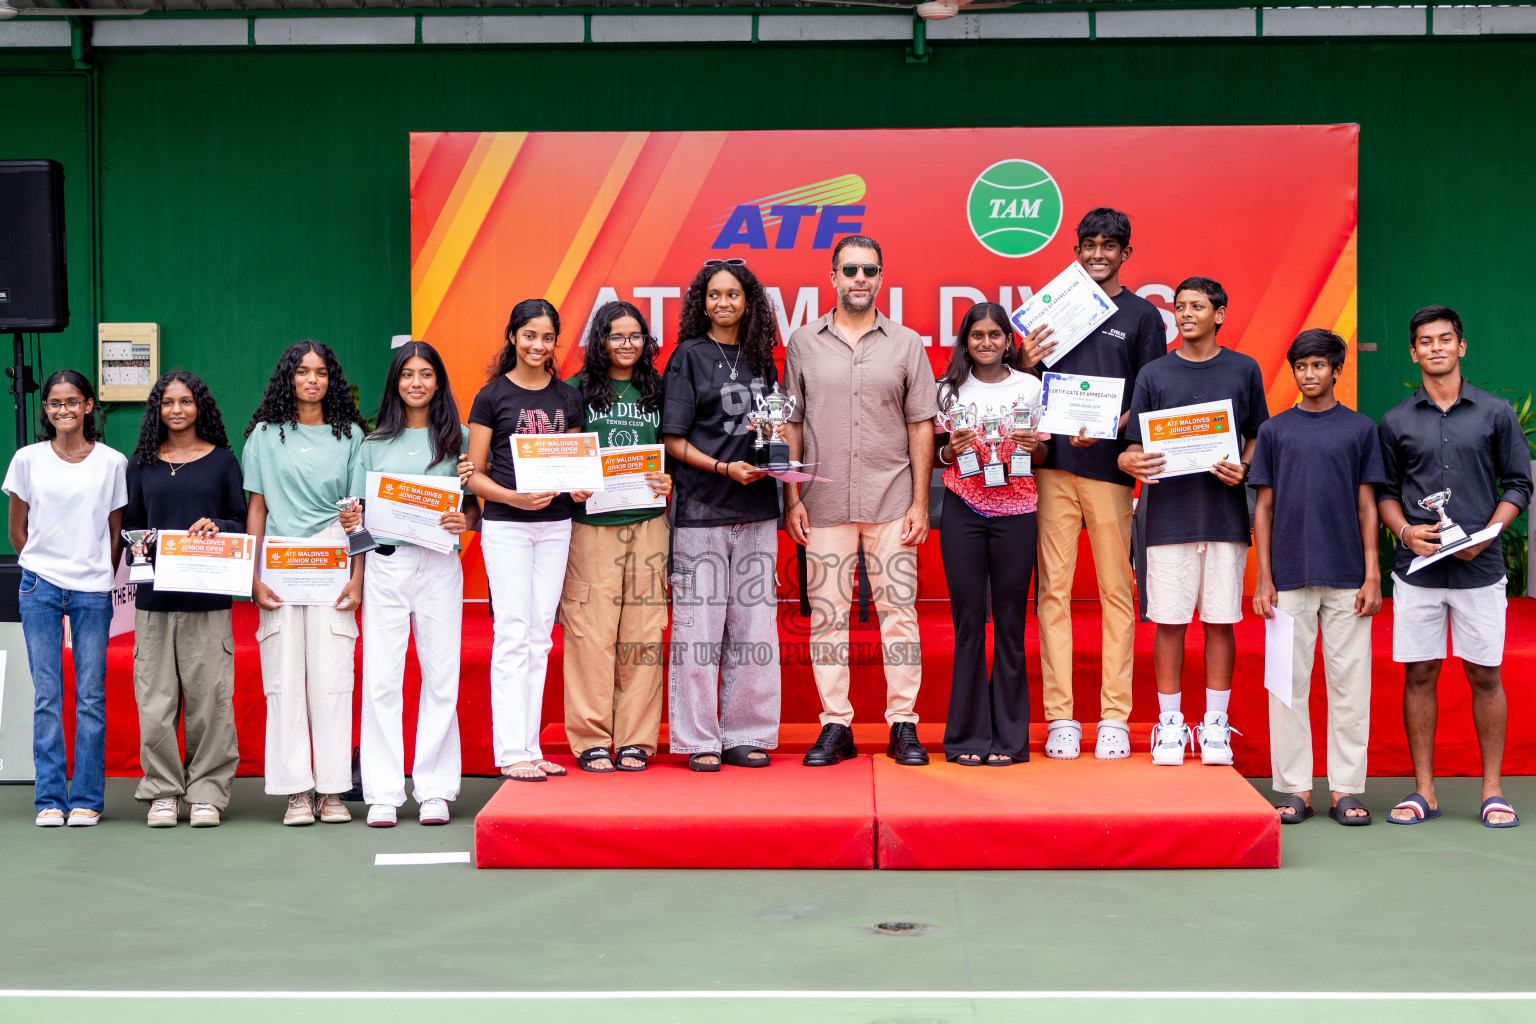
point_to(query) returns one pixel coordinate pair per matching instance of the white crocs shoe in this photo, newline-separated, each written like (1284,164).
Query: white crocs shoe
(1064,739)
(1215,740)
(1114,743)
(1169,738)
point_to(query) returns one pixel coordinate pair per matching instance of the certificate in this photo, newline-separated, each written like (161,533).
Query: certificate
(1073,305)
(1073,402)
(305,571)
(556,462)
(1192,438)
(188,564)
(399,506)
(625,488)
(1420,561)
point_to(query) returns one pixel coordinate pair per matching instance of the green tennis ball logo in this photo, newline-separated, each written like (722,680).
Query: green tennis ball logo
(1085,385)
(1014,208)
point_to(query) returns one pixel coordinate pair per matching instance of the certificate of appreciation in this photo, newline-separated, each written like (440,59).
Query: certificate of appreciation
(188,564)
(305,571)
(1072,305)
(400,506)
(1192,438)
(1073,402)
(625,488)
(556,462)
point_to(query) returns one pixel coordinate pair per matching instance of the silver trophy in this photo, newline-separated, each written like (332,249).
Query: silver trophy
(1450,533)
(359,541)
(767,418)
(140,569)
(958,416)
(1024,413)
(996,424)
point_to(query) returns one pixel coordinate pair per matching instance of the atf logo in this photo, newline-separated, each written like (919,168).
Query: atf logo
(820,211)
(1014,208)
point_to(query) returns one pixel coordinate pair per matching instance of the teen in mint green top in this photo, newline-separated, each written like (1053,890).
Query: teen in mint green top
(301,471)
(409,452)
(624,423)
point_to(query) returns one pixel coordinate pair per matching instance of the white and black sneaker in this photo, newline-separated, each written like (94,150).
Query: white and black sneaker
(1215,734)
(1169,738)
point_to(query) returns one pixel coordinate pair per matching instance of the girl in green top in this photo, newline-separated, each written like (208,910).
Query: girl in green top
(299,451)
(614,603)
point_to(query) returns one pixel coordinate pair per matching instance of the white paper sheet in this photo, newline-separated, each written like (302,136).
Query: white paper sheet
(1420,561)
(1279,645)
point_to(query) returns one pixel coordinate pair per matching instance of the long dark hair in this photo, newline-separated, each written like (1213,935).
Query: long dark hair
(442,412)
(961,365)
(758,332)
(280,406)
(522,313)
(597,389)
(92,426)
(209,424)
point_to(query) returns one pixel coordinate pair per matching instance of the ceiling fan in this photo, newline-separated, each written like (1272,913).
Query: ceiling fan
(8,12)
(929,10)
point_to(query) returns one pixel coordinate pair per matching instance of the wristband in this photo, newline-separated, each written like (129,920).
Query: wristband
(717,467)
(942,459)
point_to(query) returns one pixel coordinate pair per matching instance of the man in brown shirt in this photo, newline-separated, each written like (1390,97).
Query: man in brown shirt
(865,400)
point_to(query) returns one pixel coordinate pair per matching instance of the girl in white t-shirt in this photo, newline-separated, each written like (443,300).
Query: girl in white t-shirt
(67,497)
(987,540)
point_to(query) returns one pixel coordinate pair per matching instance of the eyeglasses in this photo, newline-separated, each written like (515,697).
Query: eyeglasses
(852,269)
(630,341)
(725,263)
(69,403)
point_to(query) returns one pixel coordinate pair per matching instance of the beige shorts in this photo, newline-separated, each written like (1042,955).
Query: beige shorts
(1476,618)
(1183,577)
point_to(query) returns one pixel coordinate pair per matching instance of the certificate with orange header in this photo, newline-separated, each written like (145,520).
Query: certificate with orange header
(625,488)
(305,571)
(556,462)
(406,507)
(193,564)
(1192,438)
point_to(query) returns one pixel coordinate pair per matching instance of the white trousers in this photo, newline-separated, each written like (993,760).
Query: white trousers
(306,674)
(420,591)
(525,565)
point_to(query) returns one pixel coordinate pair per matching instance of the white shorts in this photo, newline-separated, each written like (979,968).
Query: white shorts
(1476,617)
(1183,577)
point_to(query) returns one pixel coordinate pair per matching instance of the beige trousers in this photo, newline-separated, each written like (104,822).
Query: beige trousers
(614,609)
(830,559)
(1067,502)
(306,674)
(1347,661)
(184,669)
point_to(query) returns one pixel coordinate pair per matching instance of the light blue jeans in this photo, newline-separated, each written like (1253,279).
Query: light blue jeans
(43,608)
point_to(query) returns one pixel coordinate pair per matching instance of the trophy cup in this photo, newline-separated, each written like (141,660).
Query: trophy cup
(963,417)
(140,570)
(1450,533)
(772,411)
(995,426)
(1024,414)
(359,541)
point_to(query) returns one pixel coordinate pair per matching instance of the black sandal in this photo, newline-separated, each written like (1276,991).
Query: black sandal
(586,757)
(695,765)
(969,760)
(741,757)
(1297,805)
(637,754)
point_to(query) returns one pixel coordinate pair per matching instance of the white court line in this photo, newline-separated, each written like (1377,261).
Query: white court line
(1452,997)
(395,859)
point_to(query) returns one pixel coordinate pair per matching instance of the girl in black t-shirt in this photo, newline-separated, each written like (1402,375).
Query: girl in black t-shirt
(526,535)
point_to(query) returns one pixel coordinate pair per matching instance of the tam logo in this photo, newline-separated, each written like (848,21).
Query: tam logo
(830,208)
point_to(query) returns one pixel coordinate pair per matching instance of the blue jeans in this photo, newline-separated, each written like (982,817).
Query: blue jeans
(43,608)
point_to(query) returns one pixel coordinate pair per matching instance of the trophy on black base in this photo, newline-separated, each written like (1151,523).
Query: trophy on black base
(994,430)
(1450,533)
(769,449)
(140,569)
(1024,414)
(963,417)
(359,541)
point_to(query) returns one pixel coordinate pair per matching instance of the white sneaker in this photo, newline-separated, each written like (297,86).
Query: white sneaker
(1169,738)
(204,816)
(1064,739)
(1215,740)
(381,816)
(301,810)
(163,813)
(1114,742)
(434,812)
(80,817)
(50,817)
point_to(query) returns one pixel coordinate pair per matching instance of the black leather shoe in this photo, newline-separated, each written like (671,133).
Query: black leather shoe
(904,748)
(833,745)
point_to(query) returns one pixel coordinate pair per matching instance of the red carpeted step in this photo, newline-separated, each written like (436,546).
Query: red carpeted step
(1072,815)
(782,816)
(871,737)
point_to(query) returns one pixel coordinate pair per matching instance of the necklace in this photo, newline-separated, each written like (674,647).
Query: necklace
(179,465)
(69,456)
(735,364)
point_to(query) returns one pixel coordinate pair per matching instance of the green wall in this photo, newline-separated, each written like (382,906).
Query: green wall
(253,198)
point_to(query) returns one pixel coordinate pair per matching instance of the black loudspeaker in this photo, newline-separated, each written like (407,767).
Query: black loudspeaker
(34,295)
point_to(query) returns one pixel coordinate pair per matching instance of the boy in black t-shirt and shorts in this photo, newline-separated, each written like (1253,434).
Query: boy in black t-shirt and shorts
(1197,525)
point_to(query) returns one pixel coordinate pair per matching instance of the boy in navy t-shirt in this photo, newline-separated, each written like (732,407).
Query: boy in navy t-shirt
(1314,535)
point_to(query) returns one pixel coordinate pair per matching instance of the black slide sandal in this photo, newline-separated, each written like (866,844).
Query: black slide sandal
(586,757)
(637,754)
(1349,803)
(1303,812)
(695,765)
(741,757)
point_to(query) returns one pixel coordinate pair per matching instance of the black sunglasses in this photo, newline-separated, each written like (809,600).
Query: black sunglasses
(725,263)
(852,269)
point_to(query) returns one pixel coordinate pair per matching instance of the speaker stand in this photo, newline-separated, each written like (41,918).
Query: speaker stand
(21,384)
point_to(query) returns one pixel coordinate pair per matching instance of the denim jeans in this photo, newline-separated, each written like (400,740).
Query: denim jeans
(43,608)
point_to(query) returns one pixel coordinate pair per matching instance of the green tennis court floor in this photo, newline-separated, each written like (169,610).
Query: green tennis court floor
(255,922)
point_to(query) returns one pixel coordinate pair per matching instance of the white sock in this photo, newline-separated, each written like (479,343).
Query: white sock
(1216,701)
(1167,702)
